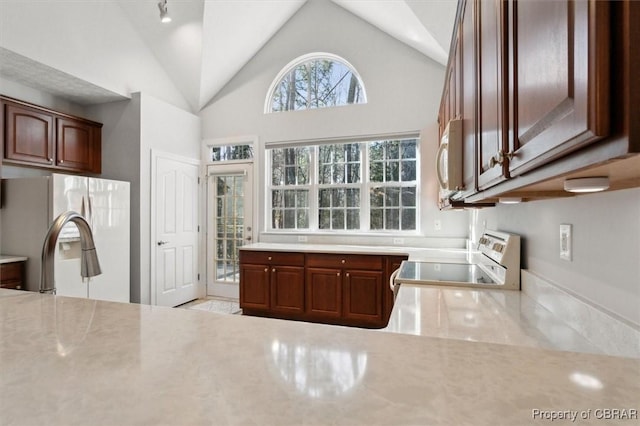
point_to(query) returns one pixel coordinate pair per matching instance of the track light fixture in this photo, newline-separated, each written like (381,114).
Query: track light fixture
(164,13)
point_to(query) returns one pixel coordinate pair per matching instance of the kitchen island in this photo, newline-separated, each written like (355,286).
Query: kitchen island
(69,361)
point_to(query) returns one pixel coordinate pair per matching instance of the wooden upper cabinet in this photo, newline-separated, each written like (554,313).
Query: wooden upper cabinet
(29,135)
(559,71)
(75,145)
(36,136)
(491,133)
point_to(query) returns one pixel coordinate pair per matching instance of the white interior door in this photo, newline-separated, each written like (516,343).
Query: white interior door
(175,271)
(229,225)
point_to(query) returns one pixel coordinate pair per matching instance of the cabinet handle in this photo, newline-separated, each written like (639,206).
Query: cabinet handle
(61,161)
(499,158)
(338,274)
(347,275)
(344,261)
(51,160)
(269,258)
(266,269)
(273,270)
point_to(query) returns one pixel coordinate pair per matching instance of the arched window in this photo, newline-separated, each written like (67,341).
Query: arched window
(317,80)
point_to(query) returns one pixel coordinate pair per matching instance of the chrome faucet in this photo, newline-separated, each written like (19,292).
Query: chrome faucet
(89,265)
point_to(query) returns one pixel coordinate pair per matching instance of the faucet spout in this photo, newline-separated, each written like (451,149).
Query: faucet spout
(89,265)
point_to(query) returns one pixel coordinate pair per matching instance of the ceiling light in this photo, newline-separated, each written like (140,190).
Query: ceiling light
(509,200)
(592,184)
(164,13)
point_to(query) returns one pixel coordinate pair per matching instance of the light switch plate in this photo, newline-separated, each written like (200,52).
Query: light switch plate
(566,243)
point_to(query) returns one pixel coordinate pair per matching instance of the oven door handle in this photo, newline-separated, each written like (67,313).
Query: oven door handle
(392,279)
(439,174)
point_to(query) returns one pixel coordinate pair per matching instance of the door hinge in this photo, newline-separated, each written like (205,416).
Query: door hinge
(198,180)
(198,277)
(198,228)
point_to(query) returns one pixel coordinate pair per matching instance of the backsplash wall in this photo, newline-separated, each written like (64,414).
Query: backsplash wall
(605,265)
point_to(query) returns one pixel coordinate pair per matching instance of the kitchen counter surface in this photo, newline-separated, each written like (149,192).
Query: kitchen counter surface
(68,361)
(482,315)
(10,259)
(415,253)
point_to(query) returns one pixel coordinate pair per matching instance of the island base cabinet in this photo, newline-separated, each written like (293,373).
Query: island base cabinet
(363,296)
(254,288)
(324,292)
(287,289)
(344,289)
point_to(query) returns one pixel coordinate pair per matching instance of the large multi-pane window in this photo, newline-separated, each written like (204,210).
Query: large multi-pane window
(362,186)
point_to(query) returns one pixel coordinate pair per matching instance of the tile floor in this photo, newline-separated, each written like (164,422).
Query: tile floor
(218,305)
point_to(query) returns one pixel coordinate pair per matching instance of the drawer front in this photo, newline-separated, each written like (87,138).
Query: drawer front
(351,261)
(11,271)
(272,258)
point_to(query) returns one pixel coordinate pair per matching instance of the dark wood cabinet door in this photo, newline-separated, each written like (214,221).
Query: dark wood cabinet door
(468,108)
(75,145)
(28,135)
(287,289)
(362,300)
(490,32)
(560,94)
(323,292)
(254,287)
(12,275)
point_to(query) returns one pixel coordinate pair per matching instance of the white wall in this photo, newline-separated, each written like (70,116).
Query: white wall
(605,269)
(131,130)
(90,40)
(403,90)
(121,161)
(167,129)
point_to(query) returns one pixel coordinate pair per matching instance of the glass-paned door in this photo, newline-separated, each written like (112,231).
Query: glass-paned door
(230,225)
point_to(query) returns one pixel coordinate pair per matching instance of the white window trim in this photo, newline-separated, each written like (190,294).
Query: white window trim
(268,105)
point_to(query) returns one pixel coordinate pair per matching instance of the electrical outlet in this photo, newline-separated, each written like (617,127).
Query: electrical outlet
(565,242)
(437,225)
(302,238)
(398,241)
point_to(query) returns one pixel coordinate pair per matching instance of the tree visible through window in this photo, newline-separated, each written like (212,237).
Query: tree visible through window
(317,82)
(366,186)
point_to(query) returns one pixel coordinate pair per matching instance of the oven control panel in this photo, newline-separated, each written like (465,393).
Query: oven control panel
(496,245)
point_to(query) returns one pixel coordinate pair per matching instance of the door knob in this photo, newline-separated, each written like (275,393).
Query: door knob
(161,243)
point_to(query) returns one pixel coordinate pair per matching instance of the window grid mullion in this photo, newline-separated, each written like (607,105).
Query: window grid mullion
(313,188)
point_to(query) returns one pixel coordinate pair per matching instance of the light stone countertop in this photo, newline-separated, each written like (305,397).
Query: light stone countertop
(482,315)
(68,361)
(452,255)
(11,259)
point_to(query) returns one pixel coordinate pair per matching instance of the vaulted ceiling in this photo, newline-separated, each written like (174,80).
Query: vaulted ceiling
(209,41)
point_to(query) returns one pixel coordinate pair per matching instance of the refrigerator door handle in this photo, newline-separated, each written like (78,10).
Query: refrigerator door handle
(82,210)
(90,211)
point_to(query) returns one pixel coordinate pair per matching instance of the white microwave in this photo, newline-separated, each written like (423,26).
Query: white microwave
(449,159)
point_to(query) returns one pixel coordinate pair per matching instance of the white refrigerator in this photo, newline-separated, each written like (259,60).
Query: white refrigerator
(29,206)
